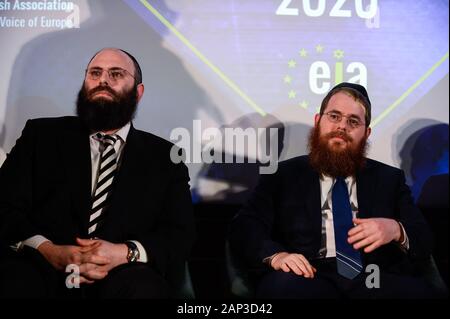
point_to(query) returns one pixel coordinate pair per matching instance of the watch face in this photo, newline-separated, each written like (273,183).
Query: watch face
(133,252)
(135,255)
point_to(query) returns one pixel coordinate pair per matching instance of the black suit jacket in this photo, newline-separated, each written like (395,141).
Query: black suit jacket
(45,188)
(284,214)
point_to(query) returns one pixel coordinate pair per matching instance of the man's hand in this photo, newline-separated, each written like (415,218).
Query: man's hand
(293,262)
(116,254)
(372,233)
(59,256)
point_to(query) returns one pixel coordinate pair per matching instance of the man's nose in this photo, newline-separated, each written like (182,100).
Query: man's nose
(104,78)
(342,125)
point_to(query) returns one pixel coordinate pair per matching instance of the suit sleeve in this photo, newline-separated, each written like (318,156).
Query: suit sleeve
(16,179)
(168,247)
(250,234)
(417,230)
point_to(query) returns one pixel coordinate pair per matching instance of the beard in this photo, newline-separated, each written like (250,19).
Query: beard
(329,160)
(103,114)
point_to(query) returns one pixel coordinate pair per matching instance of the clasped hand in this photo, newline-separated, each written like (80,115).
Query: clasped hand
(94,257)
(371,233)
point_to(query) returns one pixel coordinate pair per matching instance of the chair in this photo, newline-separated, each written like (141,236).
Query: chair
(430,272)
(182,283)
(433,202)
(240,283)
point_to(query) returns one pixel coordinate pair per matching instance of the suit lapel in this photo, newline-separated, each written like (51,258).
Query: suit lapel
(365,185)
(313,202)
(76,159)
(127,183)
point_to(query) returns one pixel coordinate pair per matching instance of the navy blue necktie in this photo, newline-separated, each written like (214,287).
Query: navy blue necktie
(349,263)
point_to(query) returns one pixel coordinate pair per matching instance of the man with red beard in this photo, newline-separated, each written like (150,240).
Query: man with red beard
(95,196)
(311,229)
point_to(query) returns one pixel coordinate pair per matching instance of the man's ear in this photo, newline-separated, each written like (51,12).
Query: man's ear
(317,119)
(368,131)
(140,91)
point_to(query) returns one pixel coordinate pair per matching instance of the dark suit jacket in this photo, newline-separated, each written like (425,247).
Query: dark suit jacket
(45,188)
(284,214)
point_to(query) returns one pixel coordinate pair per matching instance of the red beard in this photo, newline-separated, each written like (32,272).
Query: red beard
(334,162)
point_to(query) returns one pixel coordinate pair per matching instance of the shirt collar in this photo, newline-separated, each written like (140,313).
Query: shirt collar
(122,132)
(348,180)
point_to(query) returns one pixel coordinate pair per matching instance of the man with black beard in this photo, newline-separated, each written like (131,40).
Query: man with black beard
(94,196)
(311,229)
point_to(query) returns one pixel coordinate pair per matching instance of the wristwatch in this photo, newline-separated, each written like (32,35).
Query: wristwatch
(133,252)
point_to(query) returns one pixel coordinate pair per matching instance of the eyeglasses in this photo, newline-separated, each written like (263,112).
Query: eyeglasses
(336,117)
(115,74)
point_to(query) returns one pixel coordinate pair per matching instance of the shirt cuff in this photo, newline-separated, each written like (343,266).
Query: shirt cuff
(34,242)
(268,260)
(142,253)
(405,243)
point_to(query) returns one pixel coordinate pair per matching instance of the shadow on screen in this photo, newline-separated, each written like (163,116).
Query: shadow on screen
(424,152)
(232,183)
(49,70)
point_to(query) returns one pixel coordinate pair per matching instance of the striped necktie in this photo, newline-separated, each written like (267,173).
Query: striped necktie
(105,177)
(349,262)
